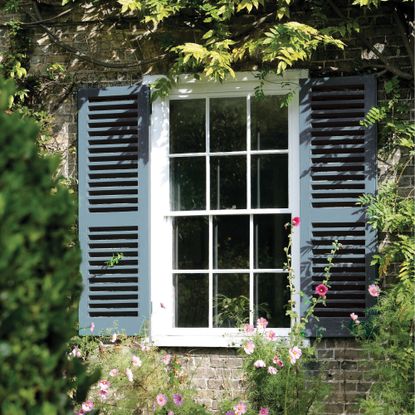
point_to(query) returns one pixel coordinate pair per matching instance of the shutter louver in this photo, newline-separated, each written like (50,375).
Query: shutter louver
(113,208)
(338,164)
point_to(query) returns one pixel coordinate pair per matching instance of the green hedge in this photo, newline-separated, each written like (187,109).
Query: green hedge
(39,276)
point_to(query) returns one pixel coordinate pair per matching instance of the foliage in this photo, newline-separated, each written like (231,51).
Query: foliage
(388,332)
(136,377)
(39,276)
(283,375)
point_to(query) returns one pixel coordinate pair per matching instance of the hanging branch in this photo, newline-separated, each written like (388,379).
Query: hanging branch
(388,66)
(82,56)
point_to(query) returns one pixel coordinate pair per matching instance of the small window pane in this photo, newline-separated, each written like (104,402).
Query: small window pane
(187,126)
(192,300)
(188,181)
(270,239)
(269,123)
(228,182)
(227,124)
(231,242)
(271,298)
(269,181)
(230,299)
(191,243)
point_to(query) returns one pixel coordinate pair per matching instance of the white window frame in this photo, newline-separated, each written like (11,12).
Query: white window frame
(162,330)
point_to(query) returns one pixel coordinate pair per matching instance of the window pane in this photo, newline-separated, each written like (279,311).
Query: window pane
(228,182)
(271,298)
(269,181)
(231,242)
(270,239)
(188,181)
(227,124)
(269,123)
(191,243)
(187,126)
(230,299)
(192,300)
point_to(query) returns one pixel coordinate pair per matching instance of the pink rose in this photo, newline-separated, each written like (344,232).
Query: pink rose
(104,385)
(295,221)
(262,323)
(114,372)
(295,353)
(272,370)
(263,411)
(354,316)
(249,328)
(374,290)
(321,290)
(271,335)
(136,361)
(249,347)
(278,361)
(259,364)
(88,406)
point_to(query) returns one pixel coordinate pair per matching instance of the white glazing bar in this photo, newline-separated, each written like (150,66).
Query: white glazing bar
(227,153)
(229,212)
(248,148)
(190,271)
(210,247)
(251,269)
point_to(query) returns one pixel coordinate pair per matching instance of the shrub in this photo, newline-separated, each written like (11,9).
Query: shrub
(39,276)
(136,378)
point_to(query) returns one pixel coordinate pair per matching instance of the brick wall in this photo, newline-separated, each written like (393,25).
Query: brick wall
(216,373)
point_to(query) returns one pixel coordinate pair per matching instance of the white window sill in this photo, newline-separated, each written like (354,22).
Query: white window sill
(227,338)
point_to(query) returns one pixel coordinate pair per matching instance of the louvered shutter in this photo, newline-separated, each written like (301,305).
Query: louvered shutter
(113,208)
(337,165)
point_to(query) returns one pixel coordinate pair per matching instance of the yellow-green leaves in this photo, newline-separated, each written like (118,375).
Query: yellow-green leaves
(130,5)
(249,5)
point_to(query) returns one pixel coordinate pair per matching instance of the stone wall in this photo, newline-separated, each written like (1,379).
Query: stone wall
(107,37)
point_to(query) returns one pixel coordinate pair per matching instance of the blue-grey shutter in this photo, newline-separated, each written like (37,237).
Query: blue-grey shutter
(113,168)
(337,165)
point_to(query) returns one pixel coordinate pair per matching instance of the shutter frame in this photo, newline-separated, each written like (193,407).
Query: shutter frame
(316,134)
(113,158)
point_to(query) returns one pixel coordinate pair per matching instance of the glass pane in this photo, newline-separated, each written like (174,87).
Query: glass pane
(228,182)
(270,239)
(269,123)
(231,242)
(188,181)
(192,300)
(230,300)
(187,126)
(191,242)
(271,298)
(269,181)
(228,124)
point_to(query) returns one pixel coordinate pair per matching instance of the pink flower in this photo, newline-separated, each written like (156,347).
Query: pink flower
(272,370)
(263,411)
(114,338)
(249,347)
(88,406)
(240,408)
(321,290)
(170,413)
(129,374)
(92,327)
(271,335)
(249,328)
(103,394)
(295,353)
(104,385)
(75,352)
(374,290)
(114,372)
(277,361)
(144,347)
(354,316)
(161,399)
(357,321)
(259,364)
(136,361)
(177,399)
(80,412)
(166,359)
(262,323)
(295,221)
(230,413)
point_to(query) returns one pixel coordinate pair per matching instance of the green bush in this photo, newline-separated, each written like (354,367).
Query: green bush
(39,276)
